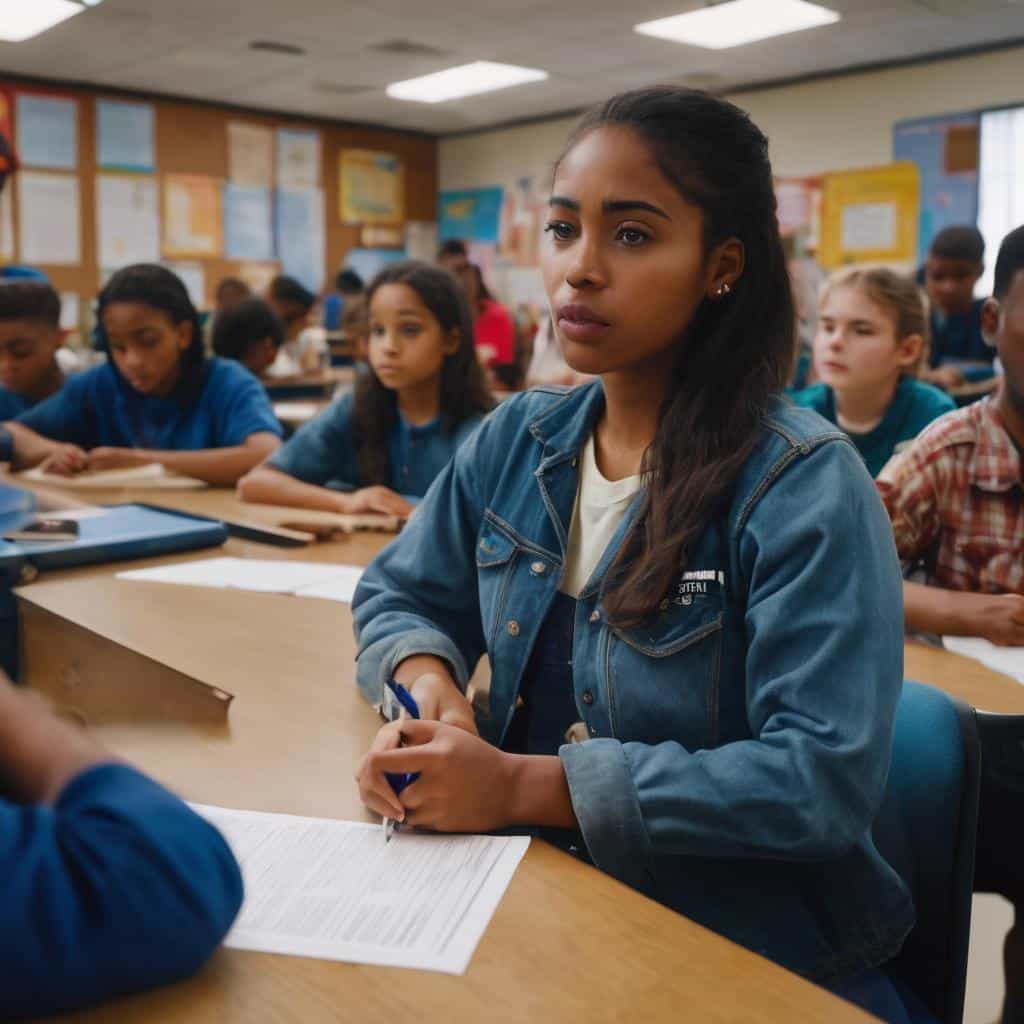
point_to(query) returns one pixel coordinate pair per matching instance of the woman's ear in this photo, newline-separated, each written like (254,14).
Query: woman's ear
(725,268)
(452,341)
(184,338)
(990,313)
(910,350)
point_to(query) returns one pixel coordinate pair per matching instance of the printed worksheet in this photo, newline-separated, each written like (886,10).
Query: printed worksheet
(335,890)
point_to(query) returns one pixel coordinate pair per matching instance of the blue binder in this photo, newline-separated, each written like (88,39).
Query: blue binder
(123,532)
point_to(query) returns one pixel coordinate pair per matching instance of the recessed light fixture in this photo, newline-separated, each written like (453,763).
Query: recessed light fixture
(466,80)
(23,19)
(737,22)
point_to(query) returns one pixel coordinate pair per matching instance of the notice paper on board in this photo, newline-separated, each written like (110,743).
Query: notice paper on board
(335,890)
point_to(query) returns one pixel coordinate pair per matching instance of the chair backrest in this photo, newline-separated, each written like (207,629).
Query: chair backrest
(926,831)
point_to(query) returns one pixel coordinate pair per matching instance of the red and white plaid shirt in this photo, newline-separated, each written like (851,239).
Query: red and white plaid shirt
(956,501)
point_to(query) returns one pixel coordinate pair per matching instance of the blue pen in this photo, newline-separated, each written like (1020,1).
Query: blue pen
(399,780)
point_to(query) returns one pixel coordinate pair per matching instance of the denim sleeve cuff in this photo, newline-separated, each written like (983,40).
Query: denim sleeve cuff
(378,662)
(605,802)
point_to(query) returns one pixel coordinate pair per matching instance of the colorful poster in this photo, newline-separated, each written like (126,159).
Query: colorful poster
(127,220)
(192,216)
(299,234)
(248,223)
(523,215)
(473,215)
(372,187)
(47,131)
(870,215)
(799,212)
(250,154)
(946,151)
(298,159)
(49,219)
(124,136)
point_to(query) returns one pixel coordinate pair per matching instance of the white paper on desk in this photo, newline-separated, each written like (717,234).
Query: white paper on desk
(1008,660)
(267,577)
(335,890)
(152,476)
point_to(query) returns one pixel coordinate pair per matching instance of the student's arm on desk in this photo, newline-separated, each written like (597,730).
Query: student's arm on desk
(221,467)
(111,883)
(998,618)
(268,486)
(31,449)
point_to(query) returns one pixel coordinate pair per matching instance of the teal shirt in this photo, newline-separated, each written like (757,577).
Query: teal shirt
(913,407)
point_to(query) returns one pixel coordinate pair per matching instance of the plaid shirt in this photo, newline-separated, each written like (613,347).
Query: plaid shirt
(956,502)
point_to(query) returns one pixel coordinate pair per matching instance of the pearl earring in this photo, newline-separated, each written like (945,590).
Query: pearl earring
(723,290)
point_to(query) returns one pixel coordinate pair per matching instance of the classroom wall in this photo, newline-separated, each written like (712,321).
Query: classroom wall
(827,124)
(192,138)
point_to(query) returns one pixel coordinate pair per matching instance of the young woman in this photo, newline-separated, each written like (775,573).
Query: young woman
(381,448)
(869,345)
(645,561)
(158,398)
(493,328)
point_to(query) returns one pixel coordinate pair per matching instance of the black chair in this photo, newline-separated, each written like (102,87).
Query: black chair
(999,865)
(926,830)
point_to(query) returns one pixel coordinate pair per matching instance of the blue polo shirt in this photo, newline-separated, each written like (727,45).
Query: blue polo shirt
(99,408)
(323,451)
(958,339)
(12,404)
(913,407)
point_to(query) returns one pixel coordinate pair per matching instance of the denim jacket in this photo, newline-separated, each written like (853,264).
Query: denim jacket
(739,742)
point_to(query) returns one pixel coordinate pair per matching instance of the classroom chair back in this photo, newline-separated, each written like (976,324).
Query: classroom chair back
(926,830)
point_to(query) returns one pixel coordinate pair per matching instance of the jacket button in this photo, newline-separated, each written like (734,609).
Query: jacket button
(595,616)
(593,731)
(539,568)
(513,627)
(588,698)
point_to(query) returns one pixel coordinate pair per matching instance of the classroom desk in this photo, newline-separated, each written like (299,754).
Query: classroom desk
(566,943)
(294,413)
(323,384)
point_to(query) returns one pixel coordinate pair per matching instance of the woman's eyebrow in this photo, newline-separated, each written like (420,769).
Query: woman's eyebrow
(611,206)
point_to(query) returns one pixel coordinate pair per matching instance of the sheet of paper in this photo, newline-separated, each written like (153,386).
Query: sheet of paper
(192,216)
(248,223)
(1008,660)
(298,159)
(49,219)
(152,476)
(334,890)
(867,226)
(299,232)
(262,576)
(296,412)
(339,588)
(127,220)
(124,135)
(251,154)
(47,131)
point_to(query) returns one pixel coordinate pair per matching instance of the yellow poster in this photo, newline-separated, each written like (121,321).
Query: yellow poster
(192,217)
(372,187)
(870,215)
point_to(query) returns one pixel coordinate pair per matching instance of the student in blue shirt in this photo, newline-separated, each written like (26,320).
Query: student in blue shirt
(250,333)
(381,448)
(686,587)
(110,884)
(870,341)
(158,398)
(29,340)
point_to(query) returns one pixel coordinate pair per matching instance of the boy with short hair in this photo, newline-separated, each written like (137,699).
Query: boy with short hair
(956,497)
(29,339)
(956,260)
(249,333)
(305,347)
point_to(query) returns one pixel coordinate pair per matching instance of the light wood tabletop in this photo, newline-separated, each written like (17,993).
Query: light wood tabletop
(566,943)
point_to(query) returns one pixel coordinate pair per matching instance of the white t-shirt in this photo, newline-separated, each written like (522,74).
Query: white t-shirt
(600,507)
(291,355)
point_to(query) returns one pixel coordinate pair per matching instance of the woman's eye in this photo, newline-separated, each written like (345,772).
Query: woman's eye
(559,228)
(411,329)
(632,236)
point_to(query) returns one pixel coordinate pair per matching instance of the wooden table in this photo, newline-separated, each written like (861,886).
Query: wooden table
(566,943)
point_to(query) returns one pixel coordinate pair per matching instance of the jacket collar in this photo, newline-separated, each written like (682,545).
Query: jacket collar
(563,428)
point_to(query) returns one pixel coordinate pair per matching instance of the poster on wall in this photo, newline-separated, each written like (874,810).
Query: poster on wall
(250,154)
(127,220)
(870,215)
(7,247)
(248,223)
(49,219)
(523,214)
(372,186)
(298,159)
(192,216)
(299,234)
(124,136)
(47,129)
(473,215)
(946,152)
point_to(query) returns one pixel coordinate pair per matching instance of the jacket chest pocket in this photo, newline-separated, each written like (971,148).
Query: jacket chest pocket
(496,554)
(664,675)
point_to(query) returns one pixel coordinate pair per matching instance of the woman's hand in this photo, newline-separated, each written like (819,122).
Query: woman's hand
(66,460)
(117,458)
(465,784)
(376,499)
(440,700)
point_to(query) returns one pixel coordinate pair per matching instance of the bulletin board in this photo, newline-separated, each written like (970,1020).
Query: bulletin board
(870,215)
(192,140)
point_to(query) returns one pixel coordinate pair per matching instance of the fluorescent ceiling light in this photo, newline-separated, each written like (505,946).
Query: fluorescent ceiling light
(23,19)
(738,22)
(467,80)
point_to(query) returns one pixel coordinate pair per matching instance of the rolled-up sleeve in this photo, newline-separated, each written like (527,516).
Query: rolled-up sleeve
(322,451)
